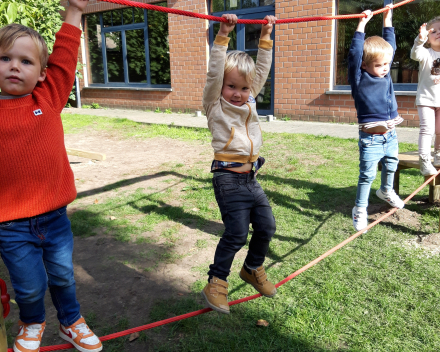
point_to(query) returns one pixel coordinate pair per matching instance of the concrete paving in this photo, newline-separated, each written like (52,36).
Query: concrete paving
(409,135)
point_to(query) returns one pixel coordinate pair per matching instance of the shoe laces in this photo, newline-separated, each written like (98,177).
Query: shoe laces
(83,329)
(32,331)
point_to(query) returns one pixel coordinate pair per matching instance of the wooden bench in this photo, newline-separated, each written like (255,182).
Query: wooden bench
(410,160)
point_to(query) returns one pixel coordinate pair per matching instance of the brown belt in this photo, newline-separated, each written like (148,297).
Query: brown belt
(369,130)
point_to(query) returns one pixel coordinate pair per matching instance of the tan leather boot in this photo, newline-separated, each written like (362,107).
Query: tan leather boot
(258,279)
(216,295)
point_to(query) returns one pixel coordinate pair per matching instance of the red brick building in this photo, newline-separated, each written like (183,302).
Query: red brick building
(153,60)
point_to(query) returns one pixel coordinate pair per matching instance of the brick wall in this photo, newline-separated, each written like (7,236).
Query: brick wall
(302,66)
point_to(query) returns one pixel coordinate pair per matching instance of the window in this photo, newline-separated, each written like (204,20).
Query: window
(232,5)
(135,50)
(406,20)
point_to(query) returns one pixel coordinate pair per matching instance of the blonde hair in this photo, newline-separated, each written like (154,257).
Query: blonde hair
(376,47)
(243,62)
(428,27)
(10,33)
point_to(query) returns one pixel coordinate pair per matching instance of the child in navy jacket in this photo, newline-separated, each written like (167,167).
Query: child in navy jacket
(369,62)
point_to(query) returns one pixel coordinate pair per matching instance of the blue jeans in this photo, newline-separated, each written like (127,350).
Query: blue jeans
(242,201)
(38,252)
(372,149)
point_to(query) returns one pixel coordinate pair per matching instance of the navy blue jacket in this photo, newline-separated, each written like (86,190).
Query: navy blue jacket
(373,96)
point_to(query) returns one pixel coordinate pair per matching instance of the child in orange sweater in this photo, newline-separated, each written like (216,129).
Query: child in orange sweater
(36,181)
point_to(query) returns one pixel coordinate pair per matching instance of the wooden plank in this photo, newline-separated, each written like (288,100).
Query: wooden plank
(3,338)
(86,154)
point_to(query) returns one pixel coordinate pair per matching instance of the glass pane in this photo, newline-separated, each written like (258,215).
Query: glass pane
(264,97)
(138,15)
(137,68)
(107,19)
(128,15)
(346,29)
(407,20)
(267,2)
(93,38)
(217,5)
(117,18)
(233,35)
(158,44)
(250,3)
(115,65)
(252,35)
(232,5)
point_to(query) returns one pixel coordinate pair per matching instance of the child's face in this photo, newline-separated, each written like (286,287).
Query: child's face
(235,88)
(379,67)
(20,68)
(434,36)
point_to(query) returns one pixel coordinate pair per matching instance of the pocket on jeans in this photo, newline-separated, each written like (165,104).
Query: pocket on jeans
(229,188)
(5,225)
(366,142)
(61,211)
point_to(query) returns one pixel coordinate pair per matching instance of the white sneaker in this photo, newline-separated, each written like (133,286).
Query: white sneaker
(391,198)
(360,218)
(436,162)
(29,337)
(426,168)
(79,335)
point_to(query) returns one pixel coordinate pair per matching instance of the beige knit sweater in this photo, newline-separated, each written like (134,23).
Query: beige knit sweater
(236,132)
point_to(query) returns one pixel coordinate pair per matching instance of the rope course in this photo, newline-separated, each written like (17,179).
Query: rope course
(245,299)
(220,19)
(5,297)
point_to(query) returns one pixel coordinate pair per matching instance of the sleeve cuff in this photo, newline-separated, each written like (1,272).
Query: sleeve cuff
(71,30)
(359,35)
(420,41)
(221,40)
(265,44)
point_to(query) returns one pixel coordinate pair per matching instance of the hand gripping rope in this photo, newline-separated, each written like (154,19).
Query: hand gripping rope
(220,19)
(245,299)
(4,298)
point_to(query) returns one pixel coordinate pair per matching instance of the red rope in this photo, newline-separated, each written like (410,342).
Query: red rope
(245,299)
(220,19)
(4,298)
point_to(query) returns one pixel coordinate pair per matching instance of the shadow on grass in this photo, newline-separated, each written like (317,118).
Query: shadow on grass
(235,332)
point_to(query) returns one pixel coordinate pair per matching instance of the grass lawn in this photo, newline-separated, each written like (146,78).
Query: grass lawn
(375,294)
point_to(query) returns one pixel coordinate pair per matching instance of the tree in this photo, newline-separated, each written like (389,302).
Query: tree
(41,15)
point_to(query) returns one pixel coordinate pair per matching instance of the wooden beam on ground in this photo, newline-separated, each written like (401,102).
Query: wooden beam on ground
(86,154)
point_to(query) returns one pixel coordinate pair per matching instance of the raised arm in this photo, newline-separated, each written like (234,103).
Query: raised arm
(418,51)
(264,57)
(216,66)
(357,48)
(61,66)
(75,11)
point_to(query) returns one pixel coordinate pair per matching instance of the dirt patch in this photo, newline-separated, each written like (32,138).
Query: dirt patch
(129,162)
(402,217)
(429,243)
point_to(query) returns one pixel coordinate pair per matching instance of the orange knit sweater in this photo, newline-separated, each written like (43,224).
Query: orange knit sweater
(35,174)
